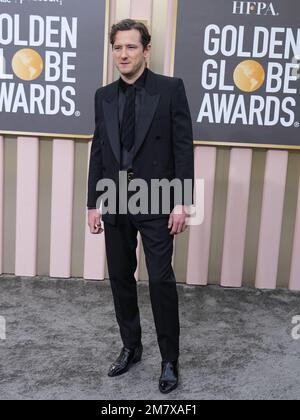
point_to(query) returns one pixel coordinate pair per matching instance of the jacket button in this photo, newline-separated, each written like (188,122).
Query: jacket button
(154,163)
(158,137)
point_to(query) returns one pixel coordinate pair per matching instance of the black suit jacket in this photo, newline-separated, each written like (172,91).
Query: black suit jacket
(163,142)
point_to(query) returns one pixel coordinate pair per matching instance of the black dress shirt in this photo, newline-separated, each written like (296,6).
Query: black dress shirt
(127,157)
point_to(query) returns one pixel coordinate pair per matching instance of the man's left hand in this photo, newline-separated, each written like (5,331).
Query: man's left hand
(177,220)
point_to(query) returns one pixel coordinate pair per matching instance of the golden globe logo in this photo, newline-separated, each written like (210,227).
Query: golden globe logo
(27,64)
(249,76)
(254,8)
(250,83)
(46,53)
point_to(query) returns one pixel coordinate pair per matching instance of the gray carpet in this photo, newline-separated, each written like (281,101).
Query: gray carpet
(62,336)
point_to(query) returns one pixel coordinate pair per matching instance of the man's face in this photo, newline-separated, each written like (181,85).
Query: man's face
(128,53)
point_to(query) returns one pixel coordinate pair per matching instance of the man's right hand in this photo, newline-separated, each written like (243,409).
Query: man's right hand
(94,221)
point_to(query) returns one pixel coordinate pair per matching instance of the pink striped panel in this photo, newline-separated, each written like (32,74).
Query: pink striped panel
(1,200)
(61,208)
(295,268)
(271,219)
(174,253)
(112,19)
(94,245)
(168,70)
(141,9)
(169,40)
(236,217)
(94,252)
(27,206)
(199,240)
(94,256)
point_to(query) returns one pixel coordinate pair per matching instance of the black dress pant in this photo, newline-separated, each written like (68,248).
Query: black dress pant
(121,243)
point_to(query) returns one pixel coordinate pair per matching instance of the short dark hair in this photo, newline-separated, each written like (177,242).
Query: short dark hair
(127,25)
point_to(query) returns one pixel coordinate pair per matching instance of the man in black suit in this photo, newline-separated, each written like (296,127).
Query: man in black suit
(143,129)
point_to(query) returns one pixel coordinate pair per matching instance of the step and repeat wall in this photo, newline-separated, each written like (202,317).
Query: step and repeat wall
(240,64)
(243,73)
(51,62)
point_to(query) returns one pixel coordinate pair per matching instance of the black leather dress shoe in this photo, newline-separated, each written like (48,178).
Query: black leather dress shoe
(126,358)
(169,377)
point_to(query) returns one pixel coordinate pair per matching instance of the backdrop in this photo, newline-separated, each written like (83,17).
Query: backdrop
(51,63)
(240,63)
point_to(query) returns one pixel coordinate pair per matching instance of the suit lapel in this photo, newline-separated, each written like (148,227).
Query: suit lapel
(149,105)
(111,116)
(148,108)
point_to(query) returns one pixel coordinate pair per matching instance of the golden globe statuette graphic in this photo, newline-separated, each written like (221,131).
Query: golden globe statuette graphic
(27,64)
(249,76)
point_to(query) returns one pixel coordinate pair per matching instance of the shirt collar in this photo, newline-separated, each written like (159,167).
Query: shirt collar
(140,82)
